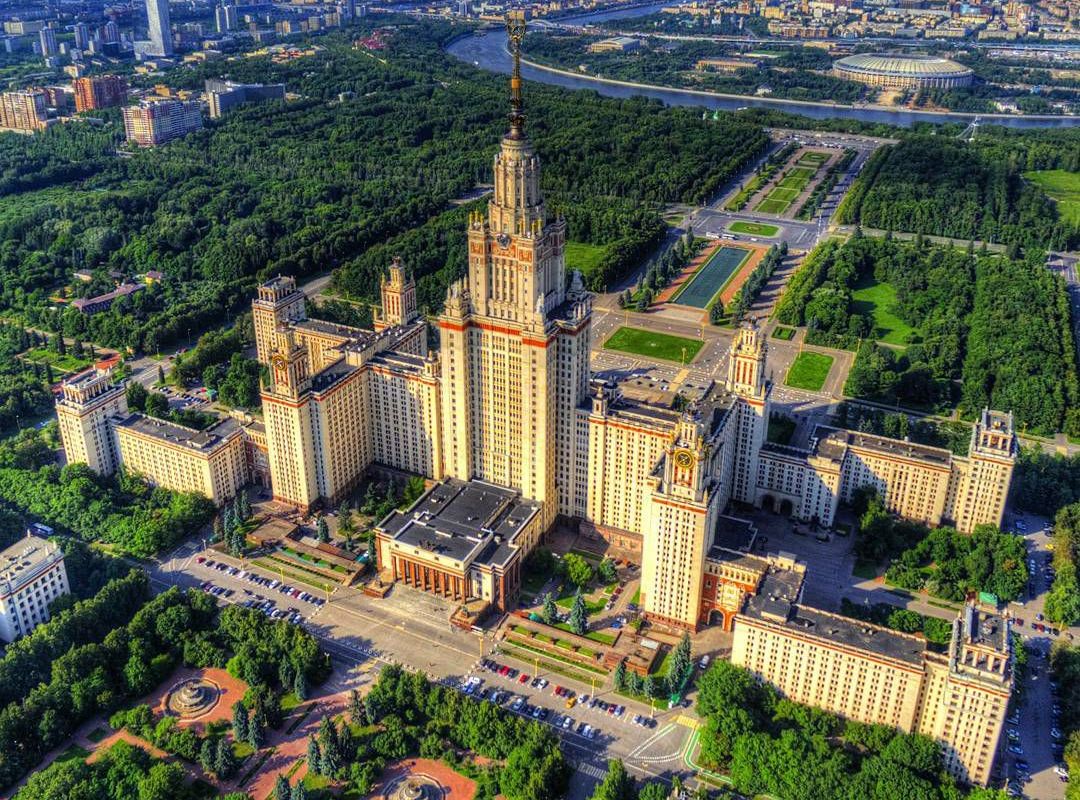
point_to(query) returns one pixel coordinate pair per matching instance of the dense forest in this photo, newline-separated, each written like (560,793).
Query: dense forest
(967,190)
(314,184)
(998,326)
(795,75)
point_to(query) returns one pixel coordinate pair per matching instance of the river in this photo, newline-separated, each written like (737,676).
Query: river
(487,49)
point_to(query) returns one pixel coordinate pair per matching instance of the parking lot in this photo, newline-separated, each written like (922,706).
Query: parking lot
(264,594)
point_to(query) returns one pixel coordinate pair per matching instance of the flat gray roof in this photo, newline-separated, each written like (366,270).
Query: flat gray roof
(833,628)
(467,521)
(206,440)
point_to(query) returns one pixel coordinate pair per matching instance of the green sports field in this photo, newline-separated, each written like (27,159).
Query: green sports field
(1063,187)
(753,228)
(654,345)
(711,277)
(809,371)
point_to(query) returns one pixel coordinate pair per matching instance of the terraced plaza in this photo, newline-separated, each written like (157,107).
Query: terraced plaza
(792,182)
(754,228)
(711,277)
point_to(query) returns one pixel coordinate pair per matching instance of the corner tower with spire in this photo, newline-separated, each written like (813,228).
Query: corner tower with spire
(508,401)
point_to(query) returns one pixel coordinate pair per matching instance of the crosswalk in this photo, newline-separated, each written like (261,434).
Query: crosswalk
(591,770)
(689,722)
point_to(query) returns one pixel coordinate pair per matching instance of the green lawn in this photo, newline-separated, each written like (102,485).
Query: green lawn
(584,257)
(809,371)
(1064,187)
(784,333)
(596,636)
(655,345)
(875,300)
(784,193)
(813,159)
(768,206)
(67,362)
(754,228)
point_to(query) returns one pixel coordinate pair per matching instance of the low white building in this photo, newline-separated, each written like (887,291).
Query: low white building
(32,575)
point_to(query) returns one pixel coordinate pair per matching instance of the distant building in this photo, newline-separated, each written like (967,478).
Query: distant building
(22,27)
(32,575)
(727,65)
(903,72)
(155,122)
(617,44)
(157,16)
(23,110)
(222,96)
(99,92)
(91,305)
(82,36)
(47,39)
(225,18)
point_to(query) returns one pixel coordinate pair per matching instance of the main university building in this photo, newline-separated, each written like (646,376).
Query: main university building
(516,436)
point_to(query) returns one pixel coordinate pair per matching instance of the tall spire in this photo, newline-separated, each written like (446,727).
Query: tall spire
(515,30)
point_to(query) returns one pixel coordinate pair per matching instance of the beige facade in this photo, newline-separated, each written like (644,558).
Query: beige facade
(212,462)
(875,675)
(86,404)
(32,575)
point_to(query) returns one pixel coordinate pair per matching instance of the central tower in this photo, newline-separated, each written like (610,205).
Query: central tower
(511,378)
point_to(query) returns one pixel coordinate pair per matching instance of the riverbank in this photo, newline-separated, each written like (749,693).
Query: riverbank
(487,50)
(947,116)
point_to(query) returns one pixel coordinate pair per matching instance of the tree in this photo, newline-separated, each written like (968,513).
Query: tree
(300,685)
(607,571)
(282,791)
(206,756)
(716,312)
(654,790)
(257,728)
(357,712)
(160,375)
(224,760)
(579,622)
(617,784)
(681,662)
(314,756)
(550,611)
(620,676)
(578,571)
(299,791)
(322,530)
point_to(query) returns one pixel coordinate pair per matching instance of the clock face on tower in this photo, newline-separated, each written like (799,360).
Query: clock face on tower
(278,361)
(684,459)
(503,240)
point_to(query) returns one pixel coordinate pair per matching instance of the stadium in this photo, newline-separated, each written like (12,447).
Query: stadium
(903,72)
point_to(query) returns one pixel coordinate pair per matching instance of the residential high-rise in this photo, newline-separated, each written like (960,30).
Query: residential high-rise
(154,122)
(23,110)
(82,35)
(225,17)
(100,91)
(157,17)
(47,40)
(32,575)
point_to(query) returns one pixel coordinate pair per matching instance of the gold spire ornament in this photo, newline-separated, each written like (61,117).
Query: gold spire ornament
(515,31)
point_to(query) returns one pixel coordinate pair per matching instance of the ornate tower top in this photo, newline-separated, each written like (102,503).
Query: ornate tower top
(515,31)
